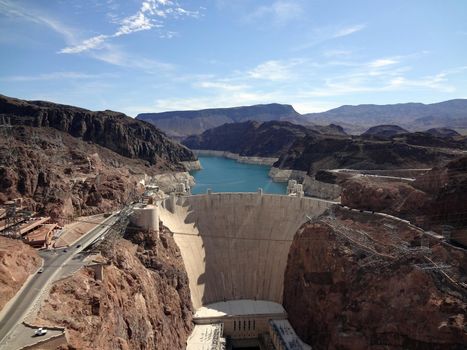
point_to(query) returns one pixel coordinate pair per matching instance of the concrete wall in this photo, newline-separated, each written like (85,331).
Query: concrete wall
(168,181)
(48,344)
(146,217)
(284,175)
(315,188)
(235,245)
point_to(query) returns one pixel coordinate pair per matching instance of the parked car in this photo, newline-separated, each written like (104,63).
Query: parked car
(40,331)
(40,270)
(79,245)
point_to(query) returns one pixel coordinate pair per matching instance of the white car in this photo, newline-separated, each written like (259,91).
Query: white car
(40,331)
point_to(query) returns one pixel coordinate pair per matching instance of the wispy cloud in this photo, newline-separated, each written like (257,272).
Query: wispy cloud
(274,70)
(55,76)
(86,45)
(337,53)
(219,85)
(279,12)
(114,55)
(383,62)
(303,80)
(321,35)
(345,31)
(383,77)
(11,9)
(151,14)
(240,98)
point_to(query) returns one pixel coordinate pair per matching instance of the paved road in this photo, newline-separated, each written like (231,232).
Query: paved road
(53,262)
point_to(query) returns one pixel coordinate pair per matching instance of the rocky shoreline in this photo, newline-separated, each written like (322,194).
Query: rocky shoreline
(241,159)
(192,165)
(168,181)
(284,175)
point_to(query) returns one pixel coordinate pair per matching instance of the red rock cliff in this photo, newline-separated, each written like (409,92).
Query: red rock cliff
(349,285)
(143,301)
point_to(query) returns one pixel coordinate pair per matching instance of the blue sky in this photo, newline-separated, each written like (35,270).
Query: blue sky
(154,55)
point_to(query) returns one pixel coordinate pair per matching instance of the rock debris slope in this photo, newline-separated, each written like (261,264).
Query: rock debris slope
(17,262)
(143,301)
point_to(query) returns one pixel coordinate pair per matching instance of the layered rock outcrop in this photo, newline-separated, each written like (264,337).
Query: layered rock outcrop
(115,131)
(142,302)
(438,197)
(418,150)
(67,161)
(251,138)
(350,284)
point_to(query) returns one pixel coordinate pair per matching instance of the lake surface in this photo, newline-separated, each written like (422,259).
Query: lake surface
(227,175)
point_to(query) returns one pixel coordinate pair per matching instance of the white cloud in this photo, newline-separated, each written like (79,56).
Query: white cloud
(114,55)
(280,12)
(55,76)
(321,35)
(348,30)
(338,53)
(309,106)
(85,45)
(135,23)
(274,70)
(221,86)
(151,14)
(436,82)
(13,10)
(383,62)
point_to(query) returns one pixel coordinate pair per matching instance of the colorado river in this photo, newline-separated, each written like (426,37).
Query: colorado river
(227,175)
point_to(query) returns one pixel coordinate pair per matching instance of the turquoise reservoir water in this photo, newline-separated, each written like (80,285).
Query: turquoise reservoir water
(227,175)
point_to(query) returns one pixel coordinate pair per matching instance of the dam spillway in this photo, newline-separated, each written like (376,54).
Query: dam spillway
(235,245)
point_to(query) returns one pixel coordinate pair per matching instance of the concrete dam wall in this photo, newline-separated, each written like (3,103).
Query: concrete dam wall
(235,245)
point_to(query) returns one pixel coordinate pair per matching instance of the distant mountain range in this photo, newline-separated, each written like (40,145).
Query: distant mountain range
(411,116)
(179,124)
(354,119)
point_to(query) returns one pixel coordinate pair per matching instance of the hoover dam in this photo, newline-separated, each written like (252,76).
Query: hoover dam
(235,248)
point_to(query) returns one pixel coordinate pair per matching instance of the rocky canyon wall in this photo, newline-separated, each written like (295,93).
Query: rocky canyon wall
(348,286)
(142,302)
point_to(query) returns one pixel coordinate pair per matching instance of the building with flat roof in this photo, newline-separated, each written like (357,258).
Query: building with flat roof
(206,337)
(242,319)
(40,237)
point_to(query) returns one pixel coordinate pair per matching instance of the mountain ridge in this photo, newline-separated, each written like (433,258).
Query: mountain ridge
(355,119)
(192,122)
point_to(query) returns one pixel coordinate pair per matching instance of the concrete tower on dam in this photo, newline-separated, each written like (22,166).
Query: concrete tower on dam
(235,245)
